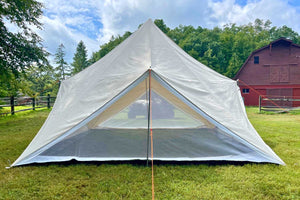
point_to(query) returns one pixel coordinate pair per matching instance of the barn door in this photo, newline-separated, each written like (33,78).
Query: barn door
(279,74)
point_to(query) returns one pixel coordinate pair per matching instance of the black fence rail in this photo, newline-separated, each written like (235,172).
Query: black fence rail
(27,103)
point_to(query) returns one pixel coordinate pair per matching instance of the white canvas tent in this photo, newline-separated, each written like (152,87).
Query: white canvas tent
(103,112)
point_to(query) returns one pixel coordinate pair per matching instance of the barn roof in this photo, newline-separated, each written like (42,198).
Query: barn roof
(279,40)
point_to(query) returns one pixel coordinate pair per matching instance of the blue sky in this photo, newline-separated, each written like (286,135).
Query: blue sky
(95,21)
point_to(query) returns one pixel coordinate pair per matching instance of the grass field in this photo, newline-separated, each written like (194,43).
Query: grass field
(131,181)
(17,108)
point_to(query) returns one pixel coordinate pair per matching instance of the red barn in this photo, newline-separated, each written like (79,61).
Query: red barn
(272,70)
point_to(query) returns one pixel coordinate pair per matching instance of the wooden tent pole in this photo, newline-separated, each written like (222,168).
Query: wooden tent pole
(148,135)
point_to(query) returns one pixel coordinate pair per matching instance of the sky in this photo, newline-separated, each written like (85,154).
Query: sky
(95,21)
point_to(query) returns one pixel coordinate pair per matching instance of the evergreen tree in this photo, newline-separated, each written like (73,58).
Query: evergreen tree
(80,58)
(62,68)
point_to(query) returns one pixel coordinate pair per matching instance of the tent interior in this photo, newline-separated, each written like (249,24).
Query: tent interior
(121,130)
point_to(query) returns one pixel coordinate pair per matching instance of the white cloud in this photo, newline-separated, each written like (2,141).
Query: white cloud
(55,33)
(279,12)
(120,16)
(95,21)
(68,22)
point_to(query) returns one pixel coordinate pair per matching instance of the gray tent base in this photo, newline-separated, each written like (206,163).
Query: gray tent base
(169,145)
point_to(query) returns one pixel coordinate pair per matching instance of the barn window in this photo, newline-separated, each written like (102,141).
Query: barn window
(256,59)
(246,91)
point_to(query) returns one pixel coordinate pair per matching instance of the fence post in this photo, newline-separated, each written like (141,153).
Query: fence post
(33,102)
(259,103)
(48,101)
(12,105)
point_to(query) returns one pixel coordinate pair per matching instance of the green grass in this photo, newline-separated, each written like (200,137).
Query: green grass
(7,109)
(127,181)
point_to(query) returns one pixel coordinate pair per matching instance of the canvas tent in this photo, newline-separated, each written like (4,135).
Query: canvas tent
(103,113)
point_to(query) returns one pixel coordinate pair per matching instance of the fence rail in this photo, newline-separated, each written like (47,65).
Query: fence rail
(27,103)
(278,103)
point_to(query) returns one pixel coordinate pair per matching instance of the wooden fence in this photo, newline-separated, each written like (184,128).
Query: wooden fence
(27,103)
(278,103)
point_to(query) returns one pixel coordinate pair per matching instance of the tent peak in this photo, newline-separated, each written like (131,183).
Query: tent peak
(148,22)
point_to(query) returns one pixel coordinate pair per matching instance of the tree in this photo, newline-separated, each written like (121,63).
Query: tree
(42,81)
(80,58)
(107,47)
(62,68)
(13,86)
(286,32)
(18,51)
(235,64)
(161,25)
(222,49)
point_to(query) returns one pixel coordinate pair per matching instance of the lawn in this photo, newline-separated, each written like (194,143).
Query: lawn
(17,108)
(132,181)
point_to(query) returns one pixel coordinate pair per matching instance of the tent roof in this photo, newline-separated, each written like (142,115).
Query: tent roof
(81,95)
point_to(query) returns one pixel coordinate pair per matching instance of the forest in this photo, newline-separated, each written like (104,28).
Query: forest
(26,70)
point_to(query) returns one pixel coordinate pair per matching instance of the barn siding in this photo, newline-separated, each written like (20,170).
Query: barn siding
(296,94)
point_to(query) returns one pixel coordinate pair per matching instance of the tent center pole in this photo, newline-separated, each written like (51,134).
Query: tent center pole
(149,99)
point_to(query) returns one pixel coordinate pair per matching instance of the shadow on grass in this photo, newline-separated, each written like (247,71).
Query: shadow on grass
(144,163)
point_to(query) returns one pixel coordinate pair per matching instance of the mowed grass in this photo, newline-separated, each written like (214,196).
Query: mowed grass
(132,181)
(8,109)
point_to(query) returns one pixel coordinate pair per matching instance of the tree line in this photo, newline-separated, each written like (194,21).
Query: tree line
(222,49)
(25,69)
